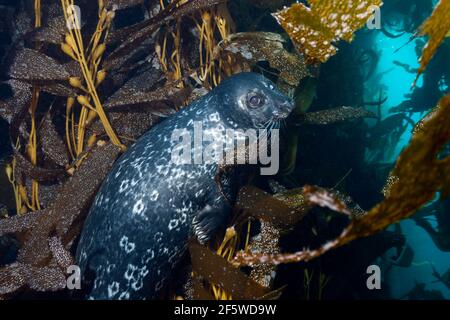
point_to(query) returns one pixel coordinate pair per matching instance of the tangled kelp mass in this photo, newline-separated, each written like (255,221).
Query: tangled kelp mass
(82,80)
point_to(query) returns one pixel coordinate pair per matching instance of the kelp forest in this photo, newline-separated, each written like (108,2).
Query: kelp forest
(364,177)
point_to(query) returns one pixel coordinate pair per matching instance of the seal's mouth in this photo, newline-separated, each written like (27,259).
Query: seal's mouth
(284,109)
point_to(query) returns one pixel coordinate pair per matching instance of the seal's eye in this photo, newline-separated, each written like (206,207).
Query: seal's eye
(255,100)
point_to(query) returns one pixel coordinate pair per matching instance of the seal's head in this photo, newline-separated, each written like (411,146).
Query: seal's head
(254,100)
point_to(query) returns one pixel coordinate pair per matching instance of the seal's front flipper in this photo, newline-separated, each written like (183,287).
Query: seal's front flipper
(210,219)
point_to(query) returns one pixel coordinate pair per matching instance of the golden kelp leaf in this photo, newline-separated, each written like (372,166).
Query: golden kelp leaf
(437,28)
(314,29)
(46,279)
(267,46)
(420,173)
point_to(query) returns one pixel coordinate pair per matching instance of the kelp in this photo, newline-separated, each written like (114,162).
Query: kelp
(33,66)
(255,47)
(212,268)
(277,214)
(335,115)
(315,29)
(89,61)
(52,33)
(282,210)
(436,27)
(24,167)
(43,258)
(18,99)
(52,144)
(420,173)
(144,30)
(161,100)
(122,4)
(138,74)
(266,242)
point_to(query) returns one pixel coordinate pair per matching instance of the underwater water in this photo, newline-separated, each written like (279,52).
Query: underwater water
(88,106)
(398,83)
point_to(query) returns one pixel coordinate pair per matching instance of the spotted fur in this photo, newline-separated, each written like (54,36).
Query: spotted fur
(148,207)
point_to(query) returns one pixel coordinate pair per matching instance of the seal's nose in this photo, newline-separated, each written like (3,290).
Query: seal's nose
(284,108)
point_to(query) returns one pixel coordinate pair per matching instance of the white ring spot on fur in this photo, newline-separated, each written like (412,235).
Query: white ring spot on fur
(138,207)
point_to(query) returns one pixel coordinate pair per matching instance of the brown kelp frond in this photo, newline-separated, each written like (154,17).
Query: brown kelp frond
(255,47)
(66,208)
(182,54)
(49,233)
(210,267)
(121,4)
(51,33)
(33,66)
(419,176)
(144,30)
(325,199)
(282,210)
(436,27)
(275,216)
(16,276)
(16,224)
(23,167)
(315,29)
(170,93)
(339,114)
(19,99)
(52,145)
(266,242)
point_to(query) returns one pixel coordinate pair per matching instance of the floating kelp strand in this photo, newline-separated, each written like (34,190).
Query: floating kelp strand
(436,27)
(335,115)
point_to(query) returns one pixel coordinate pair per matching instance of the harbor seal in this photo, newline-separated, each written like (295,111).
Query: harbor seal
(149,206)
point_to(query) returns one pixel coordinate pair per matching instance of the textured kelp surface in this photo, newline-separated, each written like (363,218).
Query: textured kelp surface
(48,234)
(315,29)
(437,28)
(79,97)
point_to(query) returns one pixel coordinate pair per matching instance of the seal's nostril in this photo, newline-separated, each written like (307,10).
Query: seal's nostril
(287,106)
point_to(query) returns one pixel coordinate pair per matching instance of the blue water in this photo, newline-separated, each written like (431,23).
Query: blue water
(398,83)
